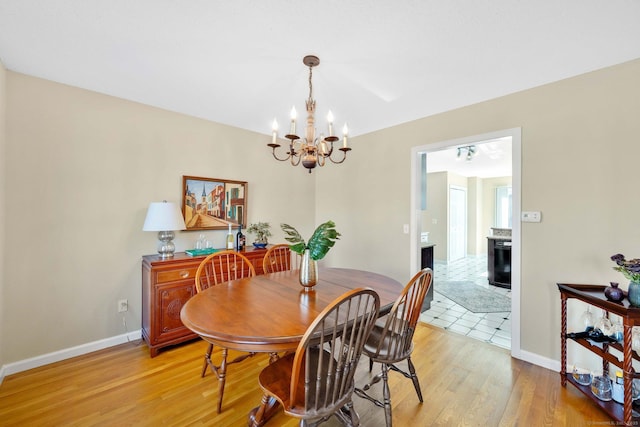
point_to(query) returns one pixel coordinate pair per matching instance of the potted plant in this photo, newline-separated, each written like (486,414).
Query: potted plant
(631,270)
(262,232)
(323,239)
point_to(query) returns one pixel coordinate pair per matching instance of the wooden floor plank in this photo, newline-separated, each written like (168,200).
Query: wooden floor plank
(464,382)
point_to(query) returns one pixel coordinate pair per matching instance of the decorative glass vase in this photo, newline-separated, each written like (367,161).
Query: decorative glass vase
(613,293)
(634,294)
(308,270)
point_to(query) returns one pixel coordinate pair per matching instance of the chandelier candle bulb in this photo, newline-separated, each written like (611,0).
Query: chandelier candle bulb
(294,114)
(274,128)
(330,120)
(345,132)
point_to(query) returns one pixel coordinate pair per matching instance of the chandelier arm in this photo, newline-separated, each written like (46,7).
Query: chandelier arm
(344,155)
(293,156)
(330,152)
(321,159)
(275,156)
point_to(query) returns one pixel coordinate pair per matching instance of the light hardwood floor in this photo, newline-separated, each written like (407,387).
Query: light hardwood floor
(464,383)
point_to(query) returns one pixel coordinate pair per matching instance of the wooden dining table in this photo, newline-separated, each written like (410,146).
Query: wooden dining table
(270,313)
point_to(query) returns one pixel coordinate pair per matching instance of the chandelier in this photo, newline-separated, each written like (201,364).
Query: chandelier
(312,151)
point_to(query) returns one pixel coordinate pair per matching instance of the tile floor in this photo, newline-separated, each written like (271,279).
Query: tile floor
(494,328)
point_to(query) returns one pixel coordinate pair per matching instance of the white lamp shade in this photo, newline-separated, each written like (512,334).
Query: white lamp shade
(163,216)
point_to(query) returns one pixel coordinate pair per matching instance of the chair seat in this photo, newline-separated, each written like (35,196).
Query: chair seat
(276,380)
(387,349)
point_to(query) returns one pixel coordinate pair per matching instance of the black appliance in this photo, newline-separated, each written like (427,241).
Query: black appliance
(499,258)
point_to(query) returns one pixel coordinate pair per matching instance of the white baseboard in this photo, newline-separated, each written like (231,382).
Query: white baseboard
(67,353)
(537,360)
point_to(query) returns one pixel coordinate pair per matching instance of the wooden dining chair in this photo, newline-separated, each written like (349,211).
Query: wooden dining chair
(277,258)
(316,381)
(391,340)
(217,268)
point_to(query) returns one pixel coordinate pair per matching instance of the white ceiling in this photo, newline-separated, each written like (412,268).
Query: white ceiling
(492,158)
(383,62)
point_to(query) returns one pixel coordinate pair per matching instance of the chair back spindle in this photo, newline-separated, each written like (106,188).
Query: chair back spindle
(222,267)
(277,258)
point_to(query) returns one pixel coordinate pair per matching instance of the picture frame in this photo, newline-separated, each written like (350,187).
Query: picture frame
(213,203)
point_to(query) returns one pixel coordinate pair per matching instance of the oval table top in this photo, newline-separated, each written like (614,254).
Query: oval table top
(271,312)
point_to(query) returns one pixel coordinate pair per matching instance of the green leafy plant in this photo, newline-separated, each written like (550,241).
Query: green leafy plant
(261,230)
(319,244)
(629,268)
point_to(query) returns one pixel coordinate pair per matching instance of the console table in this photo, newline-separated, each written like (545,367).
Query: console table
(166,285)
(622,357)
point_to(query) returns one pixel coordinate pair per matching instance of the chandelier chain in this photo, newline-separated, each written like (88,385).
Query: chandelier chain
(310,83)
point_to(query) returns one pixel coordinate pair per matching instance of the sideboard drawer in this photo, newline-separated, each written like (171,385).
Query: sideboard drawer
(174,275)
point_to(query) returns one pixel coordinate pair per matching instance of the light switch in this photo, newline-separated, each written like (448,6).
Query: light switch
(405,228)
(531,216)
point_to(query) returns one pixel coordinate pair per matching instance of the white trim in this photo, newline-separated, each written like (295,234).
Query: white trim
(536,359)
(516,165)
(67,353)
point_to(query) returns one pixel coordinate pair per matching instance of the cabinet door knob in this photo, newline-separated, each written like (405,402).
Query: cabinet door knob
(184,274)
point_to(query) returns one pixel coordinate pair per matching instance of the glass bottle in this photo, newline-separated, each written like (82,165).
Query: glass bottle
(587,320)
(240,239)
(200,242)
(230,238)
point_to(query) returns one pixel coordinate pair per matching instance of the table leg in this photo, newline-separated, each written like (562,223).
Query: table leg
(268,405)
(563,342)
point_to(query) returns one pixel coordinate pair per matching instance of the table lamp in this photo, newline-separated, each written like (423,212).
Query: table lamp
(164,217)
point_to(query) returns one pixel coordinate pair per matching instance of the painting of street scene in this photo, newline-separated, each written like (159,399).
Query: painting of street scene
(211,204)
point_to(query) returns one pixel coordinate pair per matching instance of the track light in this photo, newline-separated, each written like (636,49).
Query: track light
(470,149)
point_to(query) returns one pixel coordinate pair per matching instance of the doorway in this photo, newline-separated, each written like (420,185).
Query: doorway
(477,228)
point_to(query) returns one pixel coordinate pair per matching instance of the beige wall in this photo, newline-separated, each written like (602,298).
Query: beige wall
(3,157)
(580,156)
(475,203)
(435,217)
(489,206)
(81,170)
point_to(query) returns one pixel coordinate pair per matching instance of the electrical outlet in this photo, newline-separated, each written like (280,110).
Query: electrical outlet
(123,305)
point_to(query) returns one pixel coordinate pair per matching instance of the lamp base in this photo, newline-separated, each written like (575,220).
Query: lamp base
(166,248)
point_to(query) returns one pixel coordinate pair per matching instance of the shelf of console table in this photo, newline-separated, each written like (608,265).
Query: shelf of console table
(594,295)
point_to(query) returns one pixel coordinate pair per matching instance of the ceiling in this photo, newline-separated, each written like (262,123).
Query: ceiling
(490,159)
(382,62)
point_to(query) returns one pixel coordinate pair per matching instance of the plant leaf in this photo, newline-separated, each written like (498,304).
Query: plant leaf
(322,240)
(297,242)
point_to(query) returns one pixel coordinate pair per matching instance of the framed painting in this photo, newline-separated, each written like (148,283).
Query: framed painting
(211,203)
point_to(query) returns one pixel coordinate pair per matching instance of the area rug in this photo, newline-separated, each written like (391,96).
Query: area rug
(473,297)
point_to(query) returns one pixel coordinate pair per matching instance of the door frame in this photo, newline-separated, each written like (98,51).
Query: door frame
(516,177)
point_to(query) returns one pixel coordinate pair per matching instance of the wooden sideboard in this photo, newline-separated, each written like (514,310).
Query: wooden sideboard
(166,285)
